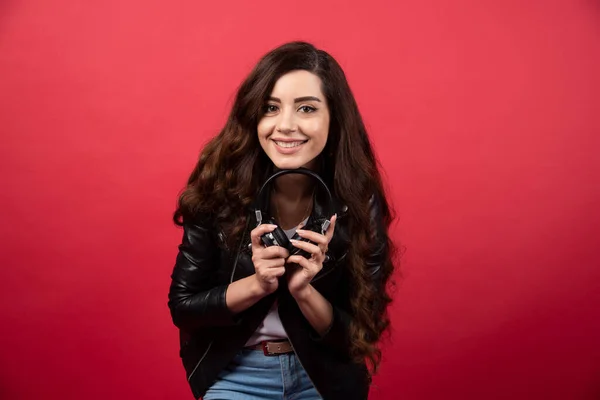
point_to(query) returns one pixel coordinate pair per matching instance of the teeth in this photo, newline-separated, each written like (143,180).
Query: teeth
(288,145)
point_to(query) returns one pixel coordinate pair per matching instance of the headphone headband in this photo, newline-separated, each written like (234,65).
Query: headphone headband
(301,171)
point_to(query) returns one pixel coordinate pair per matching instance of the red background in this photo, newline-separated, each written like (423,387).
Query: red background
(485,115)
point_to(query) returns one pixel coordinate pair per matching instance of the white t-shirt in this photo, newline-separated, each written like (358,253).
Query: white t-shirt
(271,328)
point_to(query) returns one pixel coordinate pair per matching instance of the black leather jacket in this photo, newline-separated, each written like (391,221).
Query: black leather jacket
(210,335)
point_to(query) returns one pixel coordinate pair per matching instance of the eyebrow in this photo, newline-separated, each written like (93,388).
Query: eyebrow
(297,100)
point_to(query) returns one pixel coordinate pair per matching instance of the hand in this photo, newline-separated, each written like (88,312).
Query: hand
(269,262)
(302,270)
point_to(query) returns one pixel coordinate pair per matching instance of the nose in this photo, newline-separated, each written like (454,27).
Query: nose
(286,122)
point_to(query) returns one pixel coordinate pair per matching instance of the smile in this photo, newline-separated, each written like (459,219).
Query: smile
(289,145)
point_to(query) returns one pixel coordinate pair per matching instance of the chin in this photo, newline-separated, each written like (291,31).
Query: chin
(293,164)
(287,164)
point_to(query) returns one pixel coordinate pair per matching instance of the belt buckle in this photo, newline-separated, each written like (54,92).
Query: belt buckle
(265,349)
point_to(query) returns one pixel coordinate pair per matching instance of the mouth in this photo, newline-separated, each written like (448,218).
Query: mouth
(289,144)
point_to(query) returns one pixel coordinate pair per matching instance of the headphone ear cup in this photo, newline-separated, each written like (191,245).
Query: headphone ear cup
(282,238)
(268,239)
(276,237)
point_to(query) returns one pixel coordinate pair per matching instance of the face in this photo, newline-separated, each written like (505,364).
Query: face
(295,126)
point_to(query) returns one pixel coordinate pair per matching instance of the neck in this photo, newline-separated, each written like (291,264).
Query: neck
(293,187)
(292,199)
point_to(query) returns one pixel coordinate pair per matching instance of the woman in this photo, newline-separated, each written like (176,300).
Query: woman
(257,322)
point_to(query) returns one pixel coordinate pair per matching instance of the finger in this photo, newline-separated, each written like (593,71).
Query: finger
(270,275)
(275,272)
(264,265)
(276,262)
(309,247)
(301,261)
(265,255)
(274,252)
(257,232)
(329,232)
(313,236)
(311,267)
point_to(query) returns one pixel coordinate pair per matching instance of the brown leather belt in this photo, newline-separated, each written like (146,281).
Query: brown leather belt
(273,348)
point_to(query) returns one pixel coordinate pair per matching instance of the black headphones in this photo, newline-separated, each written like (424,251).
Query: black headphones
(278,237)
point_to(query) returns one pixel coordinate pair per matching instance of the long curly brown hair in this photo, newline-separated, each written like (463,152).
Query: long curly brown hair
(231,166)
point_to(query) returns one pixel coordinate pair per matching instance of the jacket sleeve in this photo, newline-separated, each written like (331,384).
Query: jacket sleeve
(195,300)
(337,336)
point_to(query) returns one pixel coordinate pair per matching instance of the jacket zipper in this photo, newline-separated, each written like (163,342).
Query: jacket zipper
(201,358)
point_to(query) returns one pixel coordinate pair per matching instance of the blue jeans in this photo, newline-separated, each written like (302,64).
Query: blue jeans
(253,376)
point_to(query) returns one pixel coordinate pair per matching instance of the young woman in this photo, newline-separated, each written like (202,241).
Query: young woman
(259,320)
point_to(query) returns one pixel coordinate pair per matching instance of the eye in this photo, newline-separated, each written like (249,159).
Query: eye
(270,108)
(307,109)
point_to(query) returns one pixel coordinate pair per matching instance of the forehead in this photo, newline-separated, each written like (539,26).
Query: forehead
(297,84)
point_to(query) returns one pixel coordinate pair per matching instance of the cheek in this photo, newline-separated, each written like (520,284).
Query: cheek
(264,128)
(318,129)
